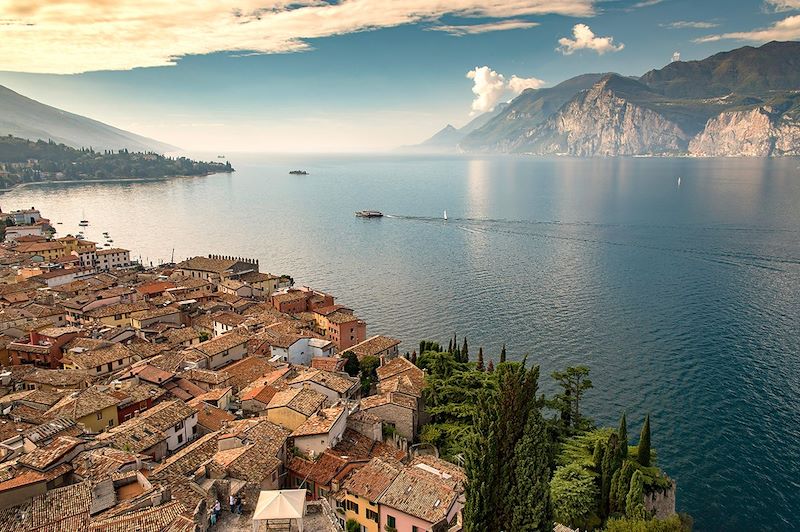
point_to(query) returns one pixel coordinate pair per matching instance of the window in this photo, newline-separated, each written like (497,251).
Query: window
(350,505)
(180,438)
(414,529)
(99,415)
(390,521)
(372,515)
(110,422)
(178,425)
(194,429)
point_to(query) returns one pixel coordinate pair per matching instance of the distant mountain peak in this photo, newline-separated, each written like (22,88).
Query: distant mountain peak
(26,118)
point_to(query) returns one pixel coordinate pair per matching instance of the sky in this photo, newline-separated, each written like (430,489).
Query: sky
(343,75)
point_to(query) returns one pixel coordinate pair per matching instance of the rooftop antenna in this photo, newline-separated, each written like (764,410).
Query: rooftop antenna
(172,258)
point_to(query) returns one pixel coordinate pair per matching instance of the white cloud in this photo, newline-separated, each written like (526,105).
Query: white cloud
(689,24)
(473,29)
(74,36)
(517,85)
(787,29)
(783,5)
(646,3)
(488,87)
(585,39)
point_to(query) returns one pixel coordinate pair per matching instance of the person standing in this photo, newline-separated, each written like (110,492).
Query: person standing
(232,502)
(238,505)
(217,510)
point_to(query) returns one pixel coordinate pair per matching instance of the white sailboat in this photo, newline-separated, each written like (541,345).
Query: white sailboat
(445,214)
(679,181)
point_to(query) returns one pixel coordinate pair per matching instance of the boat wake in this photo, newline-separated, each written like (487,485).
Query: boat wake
(538,229)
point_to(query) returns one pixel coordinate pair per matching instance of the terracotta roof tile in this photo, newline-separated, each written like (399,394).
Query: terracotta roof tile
(372,480)
(303,400)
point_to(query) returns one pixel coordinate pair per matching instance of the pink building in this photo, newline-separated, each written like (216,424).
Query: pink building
(425,497)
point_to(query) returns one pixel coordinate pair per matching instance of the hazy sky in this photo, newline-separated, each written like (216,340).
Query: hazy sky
(346,75)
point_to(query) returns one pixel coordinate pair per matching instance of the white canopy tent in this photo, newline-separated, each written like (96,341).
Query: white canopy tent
(280,505)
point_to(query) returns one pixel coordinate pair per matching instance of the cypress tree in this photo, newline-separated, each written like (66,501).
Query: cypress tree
(623,485)
(643,450)
(479,364)
(490,366)
(597,456)
(531,492)
(450,346)
(465,351)
(607,472)
(623,435)
(503,354)
(634,502)
(613,501)
(422,346)
(482,470)
(414,357)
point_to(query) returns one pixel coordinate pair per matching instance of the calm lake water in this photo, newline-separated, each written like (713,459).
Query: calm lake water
(683,300)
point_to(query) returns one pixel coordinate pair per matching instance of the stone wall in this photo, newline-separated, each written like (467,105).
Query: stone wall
(661,504)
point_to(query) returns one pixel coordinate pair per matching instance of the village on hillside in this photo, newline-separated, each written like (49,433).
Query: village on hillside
(202,395)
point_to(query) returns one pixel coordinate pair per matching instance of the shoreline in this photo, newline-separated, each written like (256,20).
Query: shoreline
(105,180)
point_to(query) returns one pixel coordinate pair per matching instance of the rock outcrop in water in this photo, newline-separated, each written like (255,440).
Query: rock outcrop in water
(759,132)
(745,102)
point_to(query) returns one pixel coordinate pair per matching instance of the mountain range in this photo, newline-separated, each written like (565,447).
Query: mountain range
(28,119)
(744,102)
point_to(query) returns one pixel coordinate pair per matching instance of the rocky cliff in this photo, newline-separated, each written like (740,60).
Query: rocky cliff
(603,121)
(745,102)
(759,132)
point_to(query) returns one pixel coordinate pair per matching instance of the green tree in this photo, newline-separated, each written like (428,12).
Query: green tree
(643,450)
(622,486)
(490,366)
(597,456)
(531,492)
(500,421)
(465,351)
(607,472)
(622,432)
(482,470)
(574,493)
(575,382)
(479,364)
(369,375)
(351,366)
(634,503)
(353,526)
(503,354)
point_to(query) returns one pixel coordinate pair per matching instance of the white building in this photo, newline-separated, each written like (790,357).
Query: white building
(25,216)
(321,431)
(16,231)
(217,352)
(176,419)
(112,258)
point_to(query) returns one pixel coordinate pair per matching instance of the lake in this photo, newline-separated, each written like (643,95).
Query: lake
(684,299)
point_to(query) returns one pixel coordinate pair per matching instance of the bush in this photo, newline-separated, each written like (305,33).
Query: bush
(574,495)
(675,523)
(352,526)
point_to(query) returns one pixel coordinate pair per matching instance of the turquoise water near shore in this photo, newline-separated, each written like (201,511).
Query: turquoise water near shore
(683,299)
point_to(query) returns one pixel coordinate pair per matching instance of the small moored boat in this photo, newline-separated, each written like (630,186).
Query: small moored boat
(369,214)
